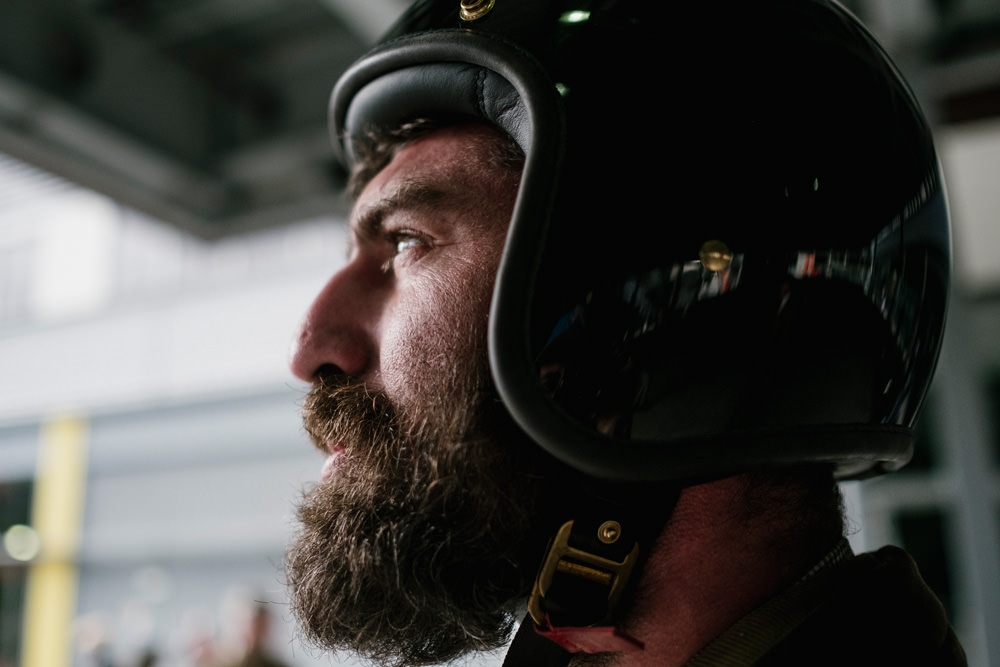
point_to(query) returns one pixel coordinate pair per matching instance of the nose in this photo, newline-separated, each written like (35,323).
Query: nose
(339,328)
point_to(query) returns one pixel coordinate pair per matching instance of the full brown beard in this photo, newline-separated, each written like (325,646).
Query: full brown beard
(426,539)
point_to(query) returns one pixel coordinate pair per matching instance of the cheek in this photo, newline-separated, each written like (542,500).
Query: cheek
(433,329)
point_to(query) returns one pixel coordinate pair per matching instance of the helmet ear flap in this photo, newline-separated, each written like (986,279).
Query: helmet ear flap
(730,366)
(826,360)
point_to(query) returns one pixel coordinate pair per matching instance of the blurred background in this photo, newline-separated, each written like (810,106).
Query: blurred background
(169,206)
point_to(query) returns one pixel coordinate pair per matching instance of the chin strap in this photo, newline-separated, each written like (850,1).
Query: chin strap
(587,568)
(580,585)
(585,571)
(530,649)
(554,647)
(600,639)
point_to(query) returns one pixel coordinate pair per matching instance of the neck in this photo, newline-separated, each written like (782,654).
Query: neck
(716,560)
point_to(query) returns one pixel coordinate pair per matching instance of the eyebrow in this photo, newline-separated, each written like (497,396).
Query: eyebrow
(408,194)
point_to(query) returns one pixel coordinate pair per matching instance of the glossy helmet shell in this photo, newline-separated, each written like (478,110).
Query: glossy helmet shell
(730,248)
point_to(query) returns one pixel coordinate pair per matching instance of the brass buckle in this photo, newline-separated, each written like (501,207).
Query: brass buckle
(564,559)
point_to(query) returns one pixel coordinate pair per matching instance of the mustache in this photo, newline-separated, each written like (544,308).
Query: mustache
(340,410)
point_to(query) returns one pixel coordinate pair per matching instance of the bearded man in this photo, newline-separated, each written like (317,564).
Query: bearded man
(556,376)
(419,478)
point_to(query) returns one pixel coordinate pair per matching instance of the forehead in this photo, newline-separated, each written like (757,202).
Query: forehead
(461,160)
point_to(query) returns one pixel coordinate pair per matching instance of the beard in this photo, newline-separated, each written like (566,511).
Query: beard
(426,539)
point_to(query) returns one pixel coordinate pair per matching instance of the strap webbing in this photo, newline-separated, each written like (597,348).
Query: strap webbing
(530,649)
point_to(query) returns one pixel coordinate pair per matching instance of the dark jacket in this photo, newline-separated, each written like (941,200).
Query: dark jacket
(872,609)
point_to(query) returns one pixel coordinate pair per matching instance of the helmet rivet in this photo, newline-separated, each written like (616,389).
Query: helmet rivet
(609,532)
(471,10)
(715,255)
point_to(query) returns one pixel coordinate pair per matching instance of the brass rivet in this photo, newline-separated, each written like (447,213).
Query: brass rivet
(715,255)
(471,10)
(609,532)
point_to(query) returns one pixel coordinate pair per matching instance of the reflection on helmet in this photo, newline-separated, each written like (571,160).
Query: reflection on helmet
(731,244)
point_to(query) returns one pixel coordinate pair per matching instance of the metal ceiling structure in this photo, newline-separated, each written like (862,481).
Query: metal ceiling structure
(211,114)
(207,114)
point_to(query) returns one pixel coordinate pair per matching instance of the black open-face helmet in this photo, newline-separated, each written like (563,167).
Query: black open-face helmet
(730,248)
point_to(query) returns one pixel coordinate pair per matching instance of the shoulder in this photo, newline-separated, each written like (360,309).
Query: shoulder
(877,610)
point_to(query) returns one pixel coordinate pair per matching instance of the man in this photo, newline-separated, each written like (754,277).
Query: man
(603,353)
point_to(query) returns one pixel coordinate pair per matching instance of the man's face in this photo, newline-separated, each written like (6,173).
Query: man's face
(413,299)
(413,548)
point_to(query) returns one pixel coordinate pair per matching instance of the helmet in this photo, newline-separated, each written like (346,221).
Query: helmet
(730,248)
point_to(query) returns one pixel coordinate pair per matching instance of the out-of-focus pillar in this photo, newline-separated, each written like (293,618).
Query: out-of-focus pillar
(56,515)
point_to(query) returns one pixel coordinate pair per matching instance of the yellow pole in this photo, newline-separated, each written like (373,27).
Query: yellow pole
(56,514)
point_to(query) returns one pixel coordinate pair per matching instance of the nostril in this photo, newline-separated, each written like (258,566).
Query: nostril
(328,372)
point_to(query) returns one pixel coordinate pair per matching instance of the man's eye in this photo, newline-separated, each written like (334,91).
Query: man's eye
(404,242)
(401,242)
